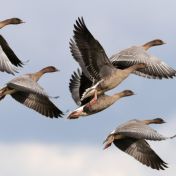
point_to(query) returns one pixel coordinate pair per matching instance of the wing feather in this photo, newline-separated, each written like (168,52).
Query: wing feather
(138,130)
(25,84)
(78,84)
(155,69)
(92,52)
(9,62)
(141,151)
(39,103)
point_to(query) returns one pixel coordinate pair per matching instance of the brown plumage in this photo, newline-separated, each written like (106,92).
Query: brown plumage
(110,81)
(9,62)
(131,137)
(103,102)
(96,62)
(10,21)
(27,91)
(78,83)
(152,43)
(156,68)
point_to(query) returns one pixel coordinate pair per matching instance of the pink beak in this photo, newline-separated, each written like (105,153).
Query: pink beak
(106,146)
(74,115)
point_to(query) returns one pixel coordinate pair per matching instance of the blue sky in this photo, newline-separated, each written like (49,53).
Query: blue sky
(44,40)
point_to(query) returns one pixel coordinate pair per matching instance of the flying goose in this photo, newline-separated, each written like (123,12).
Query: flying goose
(156,68)
(100,68)
(27,91)
(78,83)
(9,62)
(131,137)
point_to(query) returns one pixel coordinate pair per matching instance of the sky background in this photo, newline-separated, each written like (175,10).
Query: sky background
(31,144)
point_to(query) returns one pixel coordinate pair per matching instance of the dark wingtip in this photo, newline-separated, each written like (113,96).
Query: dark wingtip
(80,25)
(60,113)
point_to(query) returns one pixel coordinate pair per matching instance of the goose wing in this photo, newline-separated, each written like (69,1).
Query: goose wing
(78,57)
(141,151)
(138,130)
(78,84)
(39,103)
(155,69)
(93,54)
(8,60)
(25,84)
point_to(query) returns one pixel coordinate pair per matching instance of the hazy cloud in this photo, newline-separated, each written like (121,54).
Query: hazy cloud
(44,159)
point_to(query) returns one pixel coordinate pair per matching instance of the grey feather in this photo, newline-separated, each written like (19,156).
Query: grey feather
(39,103)
(155,69)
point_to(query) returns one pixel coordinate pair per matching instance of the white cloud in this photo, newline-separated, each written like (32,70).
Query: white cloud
(19,159)
(76,160)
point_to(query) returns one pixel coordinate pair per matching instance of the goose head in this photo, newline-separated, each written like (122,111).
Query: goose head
(49,69)
(152,43)
(77,113)
(158,121)
(15,21)
(128,93)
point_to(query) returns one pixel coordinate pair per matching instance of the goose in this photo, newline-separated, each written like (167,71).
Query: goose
(156,68)
(9,62)
(97,63)
(78,83)
(10,21)
(28,92)
(131,137)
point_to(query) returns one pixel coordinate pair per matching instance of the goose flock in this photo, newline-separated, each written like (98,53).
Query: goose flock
(88,86)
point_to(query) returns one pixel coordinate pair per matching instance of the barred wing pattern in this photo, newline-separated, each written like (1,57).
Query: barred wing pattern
(39,103)
(78,57)
(155,69)
(141,151)
(9,62)
(138,130)
(32,95)
(93,54)
(78,84)
(25,84)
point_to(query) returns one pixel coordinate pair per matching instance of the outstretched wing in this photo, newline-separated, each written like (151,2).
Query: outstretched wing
(78,57)
(155,69)
(8,60)
(93,54)
(39,103)
(78,84)
(25,84)
(141,151)
(138,130)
